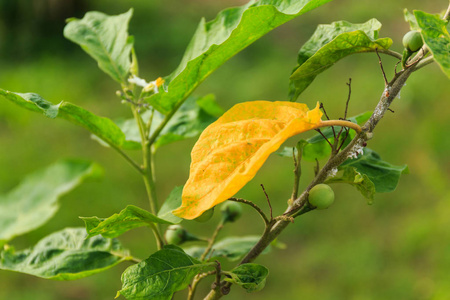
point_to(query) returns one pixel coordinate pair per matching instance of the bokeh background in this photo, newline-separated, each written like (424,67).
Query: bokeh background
(397,248)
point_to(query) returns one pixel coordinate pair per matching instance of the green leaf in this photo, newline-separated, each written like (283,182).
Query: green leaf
(360,181)
(232,248)
(103,128)
(34,201)
(172,202)
(161,275)
(105,38)
(217,41)
(251,277)
(329,44)
(383,175)
(318,148)
(411,19)
(436,37)
(130,217)
(65,255)
(189,121)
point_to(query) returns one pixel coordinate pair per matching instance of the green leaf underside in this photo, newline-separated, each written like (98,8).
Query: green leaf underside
(436,37)
(103,128)
(35,200)
(232,248)
(251,277)
(194,115)
(383,175)
(329,44)
(317,147)
(360,181)
(172,202)
(105,38)
(65,255)
(161,275)
(130,217)
(217,41)
(411,19)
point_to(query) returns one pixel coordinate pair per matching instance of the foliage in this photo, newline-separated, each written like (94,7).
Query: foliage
(232,147)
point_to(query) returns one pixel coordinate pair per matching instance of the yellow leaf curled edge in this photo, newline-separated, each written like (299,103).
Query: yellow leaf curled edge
(231,150)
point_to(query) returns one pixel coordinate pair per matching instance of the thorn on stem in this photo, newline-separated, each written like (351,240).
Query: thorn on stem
(391,110)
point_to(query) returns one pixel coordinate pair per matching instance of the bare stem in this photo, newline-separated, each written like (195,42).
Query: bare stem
(253,205)
(211,241)
(343,123)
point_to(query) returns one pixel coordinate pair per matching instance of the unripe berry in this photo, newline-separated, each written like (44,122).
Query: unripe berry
(412,41)
(321,196)
(231,211)
(175,234)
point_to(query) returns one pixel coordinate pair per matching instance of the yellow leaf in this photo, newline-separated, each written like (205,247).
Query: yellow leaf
(231,150)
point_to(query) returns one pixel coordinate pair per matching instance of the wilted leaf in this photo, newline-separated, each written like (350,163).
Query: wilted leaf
(251,277)
(65,255)
(329,44)
(159,276)
(103,128)
(35,200)
(436,37)
(130,217)
(231,150)
(232,248)
(172,202)
(217,41)
(383,175)
(105,38)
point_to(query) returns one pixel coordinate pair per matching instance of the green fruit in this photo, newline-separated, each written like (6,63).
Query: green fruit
(412,41)
(206,216)
(321,196)
(231,211)
(175,234)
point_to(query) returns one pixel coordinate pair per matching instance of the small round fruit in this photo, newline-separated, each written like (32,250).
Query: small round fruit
(321,196)
(231,211)
(206,216)
(412,41)
(175,234)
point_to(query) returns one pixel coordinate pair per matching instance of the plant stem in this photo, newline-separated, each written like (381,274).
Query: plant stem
(296,208)
(148,176)
(256,207)
(212,240)
(127,158)
(342,123)
(196,281)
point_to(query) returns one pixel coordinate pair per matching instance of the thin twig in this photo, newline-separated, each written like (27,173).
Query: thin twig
(343,141)
(196,281)
(349,84)
(318,130)
(256,207)
(391,53)
(325,112)
(381,66)
(268,201)
(211,241)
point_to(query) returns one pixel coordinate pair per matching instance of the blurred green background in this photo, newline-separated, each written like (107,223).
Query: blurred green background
(398,248)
